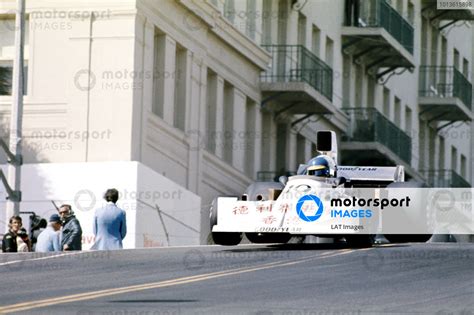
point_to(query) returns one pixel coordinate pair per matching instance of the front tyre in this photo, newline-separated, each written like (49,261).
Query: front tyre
(359,241)
(408,238)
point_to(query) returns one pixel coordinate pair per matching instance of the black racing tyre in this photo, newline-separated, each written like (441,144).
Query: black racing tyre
(408,238)
(266,238)
(227,238)
(360,240)
(222,238)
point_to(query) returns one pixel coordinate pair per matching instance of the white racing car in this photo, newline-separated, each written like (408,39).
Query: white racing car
(273,212)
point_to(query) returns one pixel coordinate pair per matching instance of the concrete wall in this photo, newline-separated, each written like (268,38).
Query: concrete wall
(82,185)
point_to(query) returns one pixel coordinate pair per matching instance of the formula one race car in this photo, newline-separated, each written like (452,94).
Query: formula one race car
(273,212)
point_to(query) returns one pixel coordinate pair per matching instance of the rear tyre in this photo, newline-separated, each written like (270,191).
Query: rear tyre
(359,241)
(222,238)
(227,238)
(266,238)
(408,238)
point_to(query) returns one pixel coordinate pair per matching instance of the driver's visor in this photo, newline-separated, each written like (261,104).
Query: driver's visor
(316,167)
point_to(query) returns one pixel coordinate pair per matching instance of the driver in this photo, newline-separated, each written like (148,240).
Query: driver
(322,166)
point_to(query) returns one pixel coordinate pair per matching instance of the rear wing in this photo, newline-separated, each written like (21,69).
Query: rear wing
(388,174)
(372,173)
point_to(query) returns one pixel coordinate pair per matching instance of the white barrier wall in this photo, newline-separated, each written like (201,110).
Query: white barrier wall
(82,185)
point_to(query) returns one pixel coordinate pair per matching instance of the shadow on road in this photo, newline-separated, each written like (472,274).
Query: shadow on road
(298,247)
(154,301)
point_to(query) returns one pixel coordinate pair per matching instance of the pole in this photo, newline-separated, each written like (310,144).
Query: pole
(14,169)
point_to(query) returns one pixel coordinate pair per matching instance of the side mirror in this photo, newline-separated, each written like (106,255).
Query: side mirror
(283,180)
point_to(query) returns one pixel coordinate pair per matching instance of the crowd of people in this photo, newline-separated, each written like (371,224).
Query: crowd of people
(64,232)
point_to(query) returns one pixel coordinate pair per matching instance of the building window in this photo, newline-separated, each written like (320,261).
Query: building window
(386,102)
(212,99)
(329,51)
(398,112)
(465,67)
(411,13)
(180,78)
(158,80)
(441,153)
(249,146)
(301,29)
(444,51)
(251,17)
(432,134)
(267,22)
(316,40)
(358,86)
(408,120)
(228,136)
(268,152)
(370,91)
(434,45)
(346,81)
(300,149)
(6,78)
(229,10)
(7,50)
(421,143)
(463,166)
(281,147)
(454,159)
(456,59)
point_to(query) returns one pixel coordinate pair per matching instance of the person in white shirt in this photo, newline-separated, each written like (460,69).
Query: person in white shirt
(48,240)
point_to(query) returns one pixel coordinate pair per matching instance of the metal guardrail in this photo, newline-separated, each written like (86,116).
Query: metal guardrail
(445,81)
(445,178)
(295,63)
(378,13)
(369,125)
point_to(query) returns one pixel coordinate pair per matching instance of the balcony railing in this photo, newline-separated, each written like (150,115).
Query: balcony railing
(378,13)
(369,125)
(445,81)
(295,63)
(445,178)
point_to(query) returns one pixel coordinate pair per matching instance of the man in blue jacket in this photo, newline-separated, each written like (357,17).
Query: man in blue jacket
(110,225)
(48,240)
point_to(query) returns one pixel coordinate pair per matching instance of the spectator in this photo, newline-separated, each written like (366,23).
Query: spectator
(9,243)
(110,225)
(23,241)
(48,240)
(71,235)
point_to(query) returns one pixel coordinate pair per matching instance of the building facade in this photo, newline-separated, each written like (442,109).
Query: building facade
(204,97)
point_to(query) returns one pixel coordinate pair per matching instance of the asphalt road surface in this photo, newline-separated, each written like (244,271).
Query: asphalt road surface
(248,279)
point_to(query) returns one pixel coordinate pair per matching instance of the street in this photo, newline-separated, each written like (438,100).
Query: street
(435,278)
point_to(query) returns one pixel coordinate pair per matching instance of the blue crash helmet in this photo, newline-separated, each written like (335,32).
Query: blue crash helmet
(322,166)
